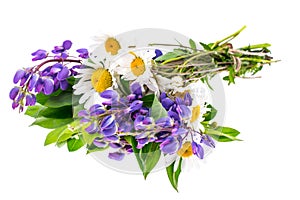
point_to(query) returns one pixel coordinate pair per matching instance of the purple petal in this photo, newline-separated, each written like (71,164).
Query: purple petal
(109,131)
(116,156)
(179,131)
(169,145)
(15,105)
(136,105)
(13,93)
(83,53)
(107,121)
(24,79)
(19,75)
(39,85)
(115,145)
(164,122)
(48,86)
(63,85)
(109,94)
(167,103)
(63,74)
(198,150)
(92,128)
(184,111)
(207,140)
(99,143)
(32,82)
(67,44)
(187,99)
(30,100)
(111,138)
(56,68)
(83,113)
(157,53)
(39,55)
(135,88)
(173,115)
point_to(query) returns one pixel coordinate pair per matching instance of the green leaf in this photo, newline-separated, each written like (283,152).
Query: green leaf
(193,45)
(166,56)
(147,157)
(174,175)
(125,86)
(57,113)
(34,111)
(92,148)
(74,144)
(231,75)
(223,134)
(150,155)
(65,135)
(53,136)
(209,115)
(42,98)
(51,123)
(63,99)
(205,46)
(148,100)
(158,111)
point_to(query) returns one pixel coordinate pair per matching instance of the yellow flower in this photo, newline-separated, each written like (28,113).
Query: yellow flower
(112,46)
(93,79)
(186,150)
(101,79)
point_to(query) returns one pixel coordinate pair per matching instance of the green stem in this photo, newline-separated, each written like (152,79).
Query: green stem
(228,38)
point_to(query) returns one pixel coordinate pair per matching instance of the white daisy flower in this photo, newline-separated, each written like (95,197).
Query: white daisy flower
(93,79)
(111,44)
(137,68)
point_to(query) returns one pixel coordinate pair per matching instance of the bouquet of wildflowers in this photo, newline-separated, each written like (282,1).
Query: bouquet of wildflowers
(121,99)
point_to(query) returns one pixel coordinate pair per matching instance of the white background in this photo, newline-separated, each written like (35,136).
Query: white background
(264,166)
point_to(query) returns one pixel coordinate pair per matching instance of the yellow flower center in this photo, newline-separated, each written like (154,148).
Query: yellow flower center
(137,66)
(101,79)
(186,150)
(112,46)
(195,113)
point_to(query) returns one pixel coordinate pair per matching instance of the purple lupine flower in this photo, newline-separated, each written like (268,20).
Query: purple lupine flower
(67,44)
(136,89)
(14,93)
(179,131)
(170,145)
(39,85)
(92,128)
(108,126)
(83,113)
(99,143)
(207,140)
(83,53)
(164,122)
(63,74)
(198,150)
(15,105)
(19,75)
(115,145)
(39,55)
(24,79)
(167,103)
(48,86)
(63,85)
(116,156)
(135,105)
(30,100)
(32,82)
